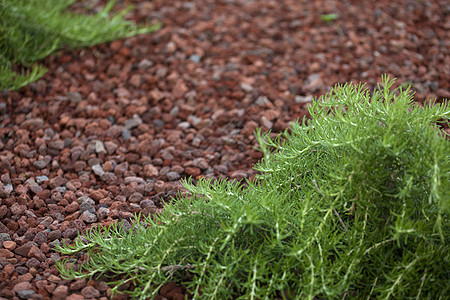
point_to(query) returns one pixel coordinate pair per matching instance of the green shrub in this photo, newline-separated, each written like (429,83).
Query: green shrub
(33,29)
(352,203)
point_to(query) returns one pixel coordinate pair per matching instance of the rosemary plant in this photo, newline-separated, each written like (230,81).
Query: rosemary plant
(33,29)
(353,203)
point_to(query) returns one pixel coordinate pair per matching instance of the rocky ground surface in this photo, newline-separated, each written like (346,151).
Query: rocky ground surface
(109,131)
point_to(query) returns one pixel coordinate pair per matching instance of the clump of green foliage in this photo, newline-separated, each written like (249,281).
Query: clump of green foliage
(33,29)
(352,203)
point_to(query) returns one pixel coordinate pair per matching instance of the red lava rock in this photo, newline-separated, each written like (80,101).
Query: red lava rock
(88,217)
(125,215)
(12,225)
(79,166)
(167,288)
(17,209)
(70,233)
(35,252)
(3,228)
(159,186)
(45,248)
(134,179)
(135,80)
(97,195)
(249,128)
(24,249)
(135,198)
(72,207)
(60,292)
(57,181)
(6,253)
(33,263)
(40,238)
(78,284)
(7,293)
(26,277)
(73,185)
(192,171)
(25,285)
(75,297)
(54,234)
(50,288)
(8,270)
(54,279)
(3,211)
(9,245)
(179,89)
(175,293)
(90,292)
(150,171)
(146,202)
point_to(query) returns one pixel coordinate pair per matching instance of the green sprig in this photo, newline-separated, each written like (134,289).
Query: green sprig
(353,203)
(30,30)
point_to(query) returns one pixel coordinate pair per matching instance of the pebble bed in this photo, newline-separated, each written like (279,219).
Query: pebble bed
(109,131)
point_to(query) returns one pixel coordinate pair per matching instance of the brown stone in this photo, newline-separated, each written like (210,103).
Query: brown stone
(179,89)
(60,292)
(6,253)
(249,128)
(150,171)
(24,249)
(90,292)
(97,195)
(36,253)
(72,207)
(25,285)
(78,284)
(9,245)
(193,171)
(44,194)
(75,297)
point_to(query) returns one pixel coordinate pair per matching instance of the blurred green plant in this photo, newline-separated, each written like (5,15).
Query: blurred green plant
(33,29)
(353,203)
(329,17)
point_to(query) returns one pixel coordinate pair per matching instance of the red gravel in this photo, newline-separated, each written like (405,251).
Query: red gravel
(110,130)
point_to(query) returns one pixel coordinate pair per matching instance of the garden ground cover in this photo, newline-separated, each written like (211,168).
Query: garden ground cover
(121,123)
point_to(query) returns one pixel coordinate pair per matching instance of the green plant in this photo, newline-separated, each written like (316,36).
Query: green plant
(351,203)
(33,29)
(329,17)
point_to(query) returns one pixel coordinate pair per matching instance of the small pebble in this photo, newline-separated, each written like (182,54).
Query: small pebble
(172,176)
(88,217)
(98,170)
(41,179)
(133,122)
(246,87)
(99,147)
(39,164)
(102,213)
(195,58)
(25,294)
(303,99)
(4,237)
(74,97)
(86,206)
(159,186)
(126,134)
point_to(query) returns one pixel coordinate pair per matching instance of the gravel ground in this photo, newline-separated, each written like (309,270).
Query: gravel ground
(109,131)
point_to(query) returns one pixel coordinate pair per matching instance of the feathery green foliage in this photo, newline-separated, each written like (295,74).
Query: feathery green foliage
(352,203)
(30,30)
